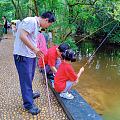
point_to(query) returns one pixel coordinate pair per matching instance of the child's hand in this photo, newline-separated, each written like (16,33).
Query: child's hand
(82,69)
(80,72)
(76,81)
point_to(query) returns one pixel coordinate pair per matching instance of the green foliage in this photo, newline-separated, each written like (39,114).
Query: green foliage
(88,16)
(115,38)
(87,47)
(6,9)
(71,43)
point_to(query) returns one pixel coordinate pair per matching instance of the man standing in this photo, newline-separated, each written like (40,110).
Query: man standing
(25,52)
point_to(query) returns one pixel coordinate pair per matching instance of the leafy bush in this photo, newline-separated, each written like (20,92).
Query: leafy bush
(115,38)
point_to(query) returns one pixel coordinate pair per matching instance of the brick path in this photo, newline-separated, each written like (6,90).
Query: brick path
(10,96)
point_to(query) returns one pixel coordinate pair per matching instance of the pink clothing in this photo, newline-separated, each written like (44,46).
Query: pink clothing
(41,43)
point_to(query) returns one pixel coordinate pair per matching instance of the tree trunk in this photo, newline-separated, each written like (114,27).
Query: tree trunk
(30,11)
(18,13)
(36,8)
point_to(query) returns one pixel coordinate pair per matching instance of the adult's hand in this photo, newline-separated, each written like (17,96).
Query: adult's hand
(38,52)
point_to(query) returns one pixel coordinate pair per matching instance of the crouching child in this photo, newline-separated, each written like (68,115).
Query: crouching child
(65,76)
(52,60)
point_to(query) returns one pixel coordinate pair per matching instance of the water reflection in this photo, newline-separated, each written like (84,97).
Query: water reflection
(100,83)
(97,65)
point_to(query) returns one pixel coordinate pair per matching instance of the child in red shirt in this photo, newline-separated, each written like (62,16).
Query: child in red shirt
(52,57)
(65,77)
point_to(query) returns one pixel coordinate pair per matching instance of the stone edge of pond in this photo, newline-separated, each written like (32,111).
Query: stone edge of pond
(76,109)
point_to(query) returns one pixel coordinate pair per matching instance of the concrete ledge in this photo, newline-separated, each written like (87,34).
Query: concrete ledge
(78,108)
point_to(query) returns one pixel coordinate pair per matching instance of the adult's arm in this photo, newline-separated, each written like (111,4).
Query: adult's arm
(53,69)
(24,38)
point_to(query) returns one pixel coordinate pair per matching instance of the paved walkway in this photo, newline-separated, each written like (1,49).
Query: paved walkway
(10,96)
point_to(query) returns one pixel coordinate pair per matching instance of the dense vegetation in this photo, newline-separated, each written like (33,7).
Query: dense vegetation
(76,19)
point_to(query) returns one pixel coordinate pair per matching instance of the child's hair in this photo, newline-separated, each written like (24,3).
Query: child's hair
(63,47)
(69,55)
(42,29)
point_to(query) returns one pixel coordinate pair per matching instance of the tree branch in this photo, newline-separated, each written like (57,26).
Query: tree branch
(31,9)
(82,3)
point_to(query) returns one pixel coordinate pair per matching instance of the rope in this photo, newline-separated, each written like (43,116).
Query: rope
(91,57)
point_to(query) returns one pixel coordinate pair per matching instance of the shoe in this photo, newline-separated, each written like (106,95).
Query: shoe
(52,82)
(36,95)
(34,110)
(66,95)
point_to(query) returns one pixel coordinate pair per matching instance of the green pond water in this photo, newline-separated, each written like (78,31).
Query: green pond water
(100,82)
